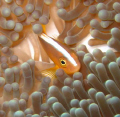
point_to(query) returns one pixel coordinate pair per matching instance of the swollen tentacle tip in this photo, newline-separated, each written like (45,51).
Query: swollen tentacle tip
(103,14)
(4,41)
(9,76)
(94,22)
(110,55)
(82,47)
(48,2)
(14,36)
(65,115)
(35,115)
(37,28)
(61,13)
(99,1)
(116,6)
(8,1)
(19,2)
(10,24)
(101,6)
(70,40)
(51,100)
(7,93)
(43,20)
(115,33)
(60,4)
(92,79)
(94,110)
(15,86)
(66,3)
(94,33)
(29,112)
(29,8)
(4,66)
(100,97)
(59,72)
(27,74)
(93,9)
(111,42)
(6,50)
(112,88)
(2,113)
(47,80)
(3,59)
(36,101)
(18,27)
(74,103)
(43,88)
(80,89)
(80,23)
(80,112)
(6,12)
(24,96)
(86,3)
(13,59)
(78,76)
(118,115)
(19,114)
(43,113)
(25,66)
(16,93)
(68,82)
(36,14)
(58,108)
(98,54)
(2,81)
(18,11)
(114,43)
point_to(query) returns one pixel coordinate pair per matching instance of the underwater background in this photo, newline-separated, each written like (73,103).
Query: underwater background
(59,58)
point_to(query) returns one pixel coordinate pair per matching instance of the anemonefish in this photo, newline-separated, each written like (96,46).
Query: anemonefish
(60,54)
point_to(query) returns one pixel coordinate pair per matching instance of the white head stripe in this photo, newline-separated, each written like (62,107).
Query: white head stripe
(59,48)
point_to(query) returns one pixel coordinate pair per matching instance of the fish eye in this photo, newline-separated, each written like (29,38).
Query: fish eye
(63,62)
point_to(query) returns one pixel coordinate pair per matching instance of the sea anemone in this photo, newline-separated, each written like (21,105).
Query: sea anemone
(32,85)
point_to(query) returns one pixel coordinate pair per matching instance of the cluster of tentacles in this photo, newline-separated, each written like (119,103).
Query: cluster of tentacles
(94,91)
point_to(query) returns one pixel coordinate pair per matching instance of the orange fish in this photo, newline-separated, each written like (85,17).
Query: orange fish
(60,54)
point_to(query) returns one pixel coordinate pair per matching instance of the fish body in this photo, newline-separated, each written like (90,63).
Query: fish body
(60,54)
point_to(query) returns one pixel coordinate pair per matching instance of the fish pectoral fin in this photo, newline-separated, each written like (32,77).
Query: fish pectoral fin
(50,72)
(43,65)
